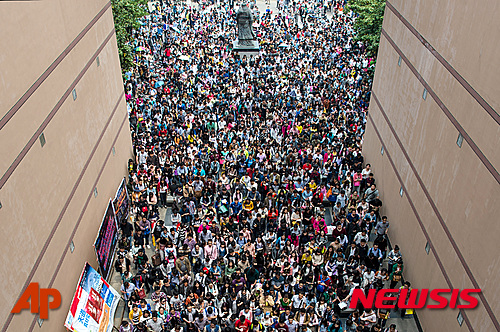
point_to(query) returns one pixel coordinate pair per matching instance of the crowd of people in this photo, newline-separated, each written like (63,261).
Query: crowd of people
(273,208)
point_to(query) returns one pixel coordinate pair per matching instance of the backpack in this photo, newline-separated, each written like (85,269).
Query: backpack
(261,327)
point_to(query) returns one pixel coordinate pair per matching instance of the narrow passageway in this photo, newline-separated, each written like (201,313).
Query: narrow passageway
(249,176)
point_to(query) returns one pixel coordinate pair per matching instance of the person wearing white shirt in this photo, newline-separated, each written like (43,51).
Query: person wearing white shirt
(298,301)
(368,318)
(366,171)
(176,218)
(368,277)
(155,323)
(247,313)
(360,236)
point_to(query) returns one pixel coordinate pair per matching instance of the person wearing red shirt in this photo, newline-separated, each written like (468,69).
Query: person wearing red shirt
(281,326)
(339,231)
(242,325)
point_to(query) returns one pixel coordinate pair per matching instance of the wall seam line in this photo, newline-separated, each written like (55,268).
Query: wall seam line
(13,110)
(438,214)
(484,104)
(52,113)
(417,215)
(65,251)
(63,211)
(445,110)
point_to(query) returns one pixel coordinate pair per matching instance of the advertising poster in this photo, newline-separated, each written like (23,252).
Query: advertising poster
(121,202)
(94,304)
(105,243)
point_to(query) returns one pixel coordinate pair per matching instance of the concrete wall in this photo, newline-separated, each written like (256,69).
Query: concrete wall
(49,48)
(450,192)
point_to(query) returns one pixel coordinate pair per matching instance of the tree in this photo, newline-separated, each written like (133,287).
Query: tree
(126,14)
(368,24)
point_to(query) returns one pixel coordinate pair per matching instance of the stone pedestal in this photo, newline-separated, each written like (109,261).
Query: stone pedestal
(248,47)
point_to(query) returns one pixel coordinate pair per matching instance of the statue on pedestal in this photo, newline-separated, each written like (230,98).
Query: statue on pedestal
(244,18)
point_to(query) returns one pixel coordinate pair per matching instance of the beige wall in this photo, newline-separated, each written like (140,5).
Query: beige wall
(463,33)
(77,156)
(459,186)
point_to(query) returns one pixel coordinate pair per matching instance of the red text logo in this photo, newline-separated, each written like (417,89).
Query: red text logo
(414,298)
(39,298)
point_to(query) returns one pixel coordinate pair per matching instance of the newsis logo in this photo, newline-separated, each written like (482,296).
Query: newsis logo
(39,298)
(414,298)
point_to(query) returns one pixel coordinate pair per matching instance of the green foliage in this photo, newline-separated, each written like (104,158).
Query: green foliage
(126,14)
(369,22)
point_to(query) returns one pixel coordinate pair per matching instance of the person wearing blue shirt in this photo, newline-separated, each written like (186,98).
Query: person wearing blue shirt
(353,216)
(215,269)
(298,184)
(143,305)
(342,198)
(257,176)
(199,171)
(236,207)
(307,194)
(241,241)
(370,220)
(250,161)
(375,250)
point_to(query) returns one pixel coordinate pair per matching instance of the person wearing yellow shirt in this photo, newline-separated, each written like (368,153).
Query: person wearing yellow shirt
(248,205)
(135,315)
(135,196)
(313,185)
(306,257)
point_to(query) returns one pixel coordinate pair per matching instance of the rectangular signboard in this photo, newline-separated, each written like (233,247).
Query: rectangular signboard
(94,304)
(105,243)
(121,202)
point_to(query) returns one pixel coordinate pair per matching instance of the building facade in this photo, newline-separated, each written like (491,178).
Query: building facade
(432,139)
(66,143)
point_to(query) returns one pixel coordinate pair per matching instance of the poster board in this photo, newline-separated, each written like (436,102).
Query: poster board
(121,202)
(105,243)
(94,304)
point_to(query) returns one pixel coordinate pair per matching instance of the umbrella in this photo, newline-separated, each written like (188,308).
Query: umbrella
(159,83)
(184,57)
(284,45)
(140,48)
(176,30)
